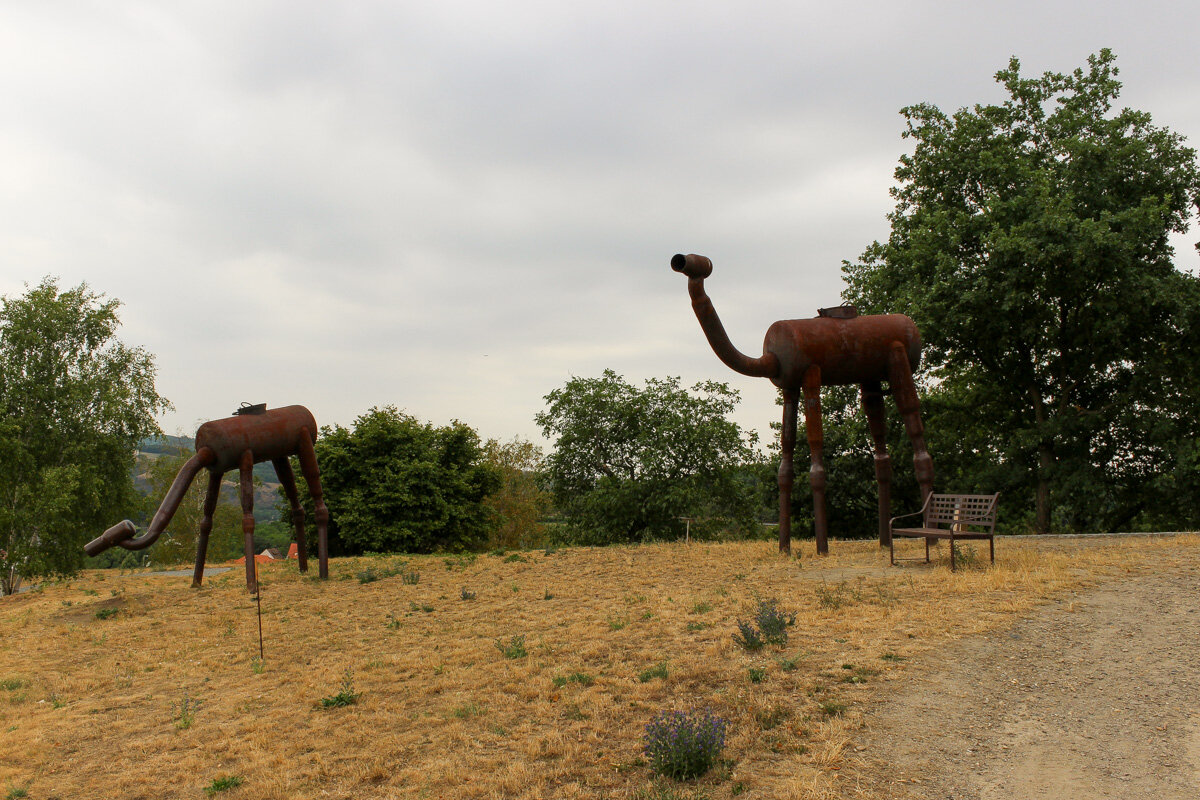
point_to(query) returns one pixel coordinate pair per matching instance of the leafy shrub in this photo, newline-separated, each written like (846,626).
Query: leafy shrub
(684,745)
(747,636)
(773,623)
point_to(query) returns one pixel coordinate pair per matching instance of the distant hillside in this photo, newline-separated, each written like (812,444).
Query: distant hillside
(171,445)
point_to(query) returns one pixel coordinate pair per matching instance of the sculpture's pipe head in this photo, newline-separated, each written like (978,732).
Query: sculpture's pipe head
(692,265)
(116,535)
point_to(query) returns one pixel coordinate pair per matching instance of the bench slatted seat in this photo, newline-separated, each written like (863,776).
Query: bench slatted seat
(953,517)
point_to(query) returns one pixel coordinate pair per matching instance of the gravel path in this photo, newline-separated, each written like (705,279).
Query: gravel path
(1096,697)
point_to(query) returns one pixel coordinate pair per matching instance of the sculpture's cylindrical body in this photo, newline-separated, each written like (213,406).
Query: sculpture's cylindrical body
(270,435)
(848,351)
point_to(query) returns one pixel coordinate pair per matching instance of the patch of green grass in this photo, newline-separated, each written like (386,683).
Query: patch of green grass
(16,792)
(616,623)
(410,578)
(222,783)
(514,648)
(831,707)
(696,625)
(467,710)
(789,664)
(757,674)
(12,684)
(768,718)
(516,558)
(657,671)
(857,674)
(890,656)
(106,613)
(582,678)
(701,608)
(392,623)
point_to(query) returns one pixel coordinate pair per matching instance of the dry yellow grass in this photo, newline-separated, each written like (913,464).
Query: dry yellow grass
(93,707)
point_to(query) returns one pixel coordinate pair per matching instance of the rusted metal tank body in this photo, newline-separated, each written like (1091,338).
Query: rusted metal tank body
(270,435)
(847,351)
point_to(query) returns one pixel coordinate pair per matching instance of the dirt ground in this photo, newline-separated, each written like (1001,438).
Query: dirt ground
(1095,696)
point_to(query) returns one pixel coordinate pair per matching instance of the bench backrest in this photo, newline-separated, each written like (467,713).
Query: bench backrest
(961,509)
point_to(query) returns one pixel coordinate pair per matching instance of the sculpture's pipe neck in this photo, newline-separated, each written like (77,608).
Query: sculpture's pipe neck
(765,366)
(121,534)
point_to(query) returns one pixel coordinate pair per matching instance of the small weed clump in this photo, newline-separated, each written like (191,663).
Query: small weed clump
(466,594)
(257,666)
(223,783)
(411,577)
(683,745)
(184,712)
(515,558)
(773,623)
(582,678)
(368,575)
(831,708)
(107,613)
(769,626)
(515,647)
(657,671)
(392,622)
(346,695)
(757,674)
(748,637)
(964,556)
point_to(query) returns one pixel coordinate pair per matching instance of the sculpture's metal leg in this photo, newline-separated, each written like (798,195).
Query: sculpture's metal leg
(246,485)
(206,523)
(816,443)
(872,403)
(905,391)
(283,468)
(312,476)
(787,449)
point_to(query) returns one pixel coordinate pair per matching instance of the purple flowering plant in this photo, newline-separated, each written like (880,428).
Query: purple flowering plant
(683,745)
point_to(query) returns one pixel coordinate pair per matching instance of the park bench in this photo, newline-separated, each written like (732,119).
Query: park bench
(953,517)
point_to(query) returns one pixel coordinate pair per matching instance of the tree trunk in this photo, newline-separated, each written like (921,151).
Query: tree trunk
(1045,463)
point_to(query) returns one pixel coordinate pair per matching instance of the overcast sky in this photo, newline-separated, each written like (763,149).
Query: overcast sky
(454,207)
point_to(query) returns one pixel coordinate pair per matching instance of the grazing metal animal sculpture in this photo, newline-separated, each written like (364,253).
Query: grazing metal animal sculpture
(252,435)
(835,348)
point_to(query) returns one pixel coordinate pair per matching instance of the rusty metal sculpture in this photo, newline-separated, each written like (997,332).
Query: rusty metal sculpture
(835,348)
(252,435)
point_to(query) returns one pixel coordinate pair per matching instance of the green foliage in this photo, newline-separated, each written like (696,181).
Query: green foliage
(394,484)
(184,712)
(629,462)
(178,542)
(769,626)
(650,673)
(222,783)
(513,648)
(520,501)
(74,402)
(346,696)
(1030,244)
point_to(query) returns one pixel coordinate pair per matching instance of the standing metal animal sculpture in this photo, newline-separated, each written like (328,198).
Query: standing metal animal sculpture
(252,435)
(835,348)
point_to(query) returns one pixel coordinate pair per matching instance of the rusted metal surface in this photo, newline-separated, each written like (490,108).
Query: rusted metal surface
(251,436)
(836,348)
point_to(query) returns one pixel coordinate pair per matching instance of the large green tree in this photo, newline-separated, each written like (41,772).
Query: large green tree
(74,402)
(518,505)
(1030,244)
(629,462)
(396,484)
